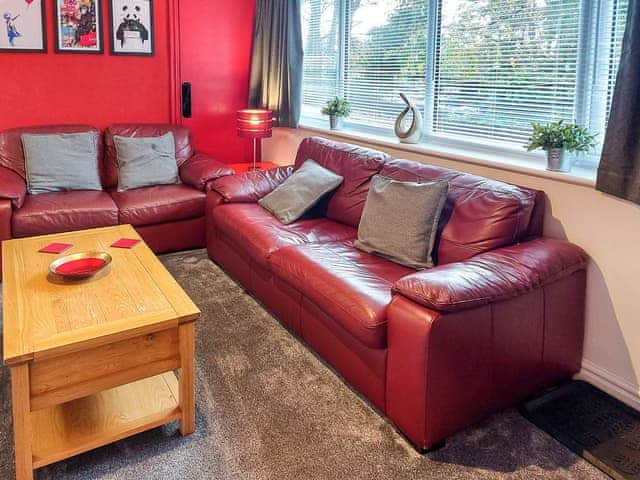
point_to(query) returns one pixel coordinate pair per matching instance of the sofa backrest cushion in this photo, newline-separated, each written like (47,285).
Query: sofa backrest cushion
(12,153)
(480,214)
(181,135)
(353,163)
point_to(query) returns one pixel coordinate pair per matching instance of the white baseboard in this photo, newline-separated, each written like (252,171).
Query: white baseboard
(611,383)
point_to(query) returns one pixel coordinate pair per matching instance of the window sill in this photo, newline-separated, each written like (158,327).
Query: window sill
(535,167)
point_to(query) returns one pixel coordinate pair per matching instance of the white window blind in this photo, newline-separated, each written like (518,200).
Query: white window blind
(618,23)
(320,31)
(385,55)
(603,45)
(502,64)
(481,70)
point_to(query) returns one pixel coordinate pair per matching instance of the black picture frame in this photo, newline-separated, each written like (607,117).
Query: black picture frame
(43,26)
(113,31)
(76,50)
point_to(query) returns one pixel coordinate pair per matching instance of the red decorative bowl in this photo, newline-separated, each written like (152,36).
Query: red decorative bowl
(80,265)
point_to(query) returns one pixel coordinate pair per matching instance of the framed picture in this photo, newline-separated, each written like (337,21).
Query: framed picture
(131,27)
(78,26)
(23,26)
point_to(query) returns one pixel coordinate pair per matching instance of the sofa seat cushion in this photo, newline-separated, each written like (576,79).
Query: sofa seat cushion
(259,233)
(350,286)
(57,212)
(159,204)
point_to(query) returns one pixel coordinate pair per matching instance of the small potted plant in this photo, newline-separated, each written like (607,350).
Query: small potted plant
(337,109)
(557,139)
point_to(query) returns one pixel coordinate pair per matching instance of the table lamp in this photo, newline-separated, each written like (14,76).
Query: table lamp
(255,124)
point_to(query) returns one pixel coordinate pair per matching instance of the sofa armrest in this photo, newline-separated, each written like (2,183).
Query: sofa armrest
(6,211)
(251,186)
(201,169)
(493,276)
(12,187)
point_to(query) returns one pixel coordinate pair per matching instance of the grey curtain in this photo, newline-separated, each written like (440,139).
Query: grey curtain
(276,62)
(619,171)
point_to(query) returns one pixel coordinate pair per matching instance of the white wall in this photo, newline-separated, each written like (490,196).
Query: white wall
(606,227)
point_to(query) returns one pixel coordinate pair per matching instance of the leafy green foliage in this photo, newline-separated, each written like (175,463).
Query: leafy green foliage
(338,106)
(571,137)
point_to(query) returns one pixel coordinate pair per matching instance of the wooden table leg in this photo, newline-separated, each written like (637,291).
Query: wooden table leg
(187,378)
(20,399)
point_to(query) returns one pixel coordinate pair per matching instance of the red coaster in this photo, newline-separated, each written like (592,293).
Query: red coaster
(126,243)
(56,248)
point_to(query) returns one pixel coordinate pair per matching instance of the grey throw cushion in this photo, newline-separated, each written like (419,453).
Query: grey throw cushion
(400,220)
(146,161)
(59,162)
(300,192)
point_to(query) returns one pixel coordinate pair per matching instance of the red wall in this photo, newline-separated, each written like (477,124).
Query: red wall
(215,55)
(47,88)
(43,88)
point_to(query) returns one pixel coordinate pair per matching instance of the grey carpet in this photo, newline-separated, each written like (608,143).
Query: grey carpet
(267,408)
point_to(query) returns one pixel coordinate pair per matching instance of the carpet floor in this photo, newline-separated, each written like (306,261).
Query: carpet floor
(268,408)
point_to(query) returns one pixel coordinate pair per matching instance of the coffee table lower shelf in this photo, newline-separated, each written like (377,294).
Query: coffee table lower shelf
(68,429)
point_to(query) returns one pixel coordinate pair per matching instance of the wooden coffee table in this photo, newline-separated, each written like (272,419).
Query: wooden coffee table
(92,362)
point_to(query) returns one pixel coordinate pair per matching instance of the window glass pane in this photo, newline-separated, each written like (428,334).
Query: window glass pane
(385,55)
(502,64)
(497,65)
(320,30)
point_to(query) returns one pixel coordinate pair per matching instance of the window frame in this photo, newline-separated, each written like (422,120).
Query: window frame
(595,57)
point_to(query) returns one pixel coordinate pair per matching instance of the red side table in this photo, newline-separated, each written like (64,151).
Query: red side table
(244,167)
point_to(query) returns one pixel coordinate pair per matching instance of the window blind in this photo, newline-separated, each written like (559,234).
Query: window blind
(503,64)
(320,31)
(481,70)
(385,54)
(618,23)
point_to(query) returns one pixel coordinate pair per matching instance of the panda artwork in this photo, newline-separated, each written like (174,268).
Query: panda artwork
(131,27)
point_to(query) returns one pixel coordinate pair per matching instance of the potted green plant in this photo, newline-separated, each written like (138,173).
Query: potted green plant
(337,109)
(558,139)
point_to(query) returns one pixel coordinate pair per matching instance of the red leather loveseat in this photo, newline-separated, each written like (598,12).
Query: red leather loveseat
(168,217)
(498,318)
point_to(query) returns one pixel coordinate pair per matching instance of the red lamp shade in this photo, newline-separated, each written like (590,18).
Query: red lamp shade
(255,123)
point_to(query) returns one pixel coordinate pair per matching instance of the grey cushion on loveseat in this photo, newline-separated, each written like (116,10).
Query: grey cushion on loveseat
(146,161)
(60,162)
(400,220)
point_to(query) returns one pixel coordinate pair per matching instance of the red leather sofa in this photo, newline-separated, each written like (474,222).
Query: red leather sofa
(168,217)
(501,315)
